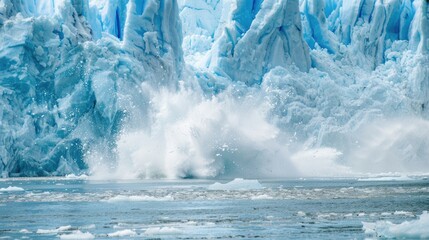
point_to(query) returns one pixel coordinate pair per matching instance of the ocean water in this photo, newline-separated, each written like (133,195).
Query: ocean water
(47,208)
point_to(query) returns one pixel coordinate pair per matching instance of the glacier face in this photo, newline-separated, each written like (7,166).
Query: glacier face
(266,32)
(205,88)
(64,93)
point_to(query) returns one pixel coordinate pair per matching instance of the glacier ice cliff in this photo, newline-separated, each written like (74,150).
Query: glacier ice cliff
(206,88)
(266,32)
(65,93)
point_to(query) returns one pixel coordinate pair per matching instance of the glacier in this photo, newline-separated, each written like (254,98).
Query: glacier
(213,88)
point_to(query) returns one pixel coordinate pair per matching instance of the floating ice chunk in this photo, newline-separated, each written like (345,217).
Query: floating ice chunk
(237,184)
(57,230)
(76,177)
(301,214)
(143,198)
(11,189)
(261,197)
(405,213)
(408,229)
(77,235)
(162,231)
(122,233)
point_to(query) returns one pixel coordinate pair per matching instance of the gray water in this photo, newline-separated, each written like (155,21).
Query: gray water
(186,209)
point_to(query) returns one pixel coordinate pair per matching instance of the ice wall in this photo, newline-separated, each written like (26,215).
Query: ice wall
(368,26)
(316,26)
(64,93)
(300,87)
(366,72)
(371,33)
(153,35)
(109,16)
(419,39)
(242,40)
(200,21)
(41,62)
(257,37)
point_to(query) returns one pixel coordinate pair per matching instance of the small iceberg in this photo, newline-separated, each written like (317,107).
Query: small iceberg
(237,184)
(408,229)
(122,233)
(76,177)
(57,230)
(77,235)
(261,197)
(11,189)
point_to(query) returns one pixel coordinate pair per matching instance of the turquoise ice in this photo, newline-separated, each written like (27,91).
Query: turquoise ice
(213,88)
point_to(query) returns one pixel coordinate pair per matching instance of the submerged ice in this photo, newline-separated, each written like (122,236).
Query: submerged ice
(206,88)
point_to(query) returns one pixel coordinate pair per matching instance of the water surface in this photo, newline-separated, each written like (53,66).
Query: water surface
(49,208)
